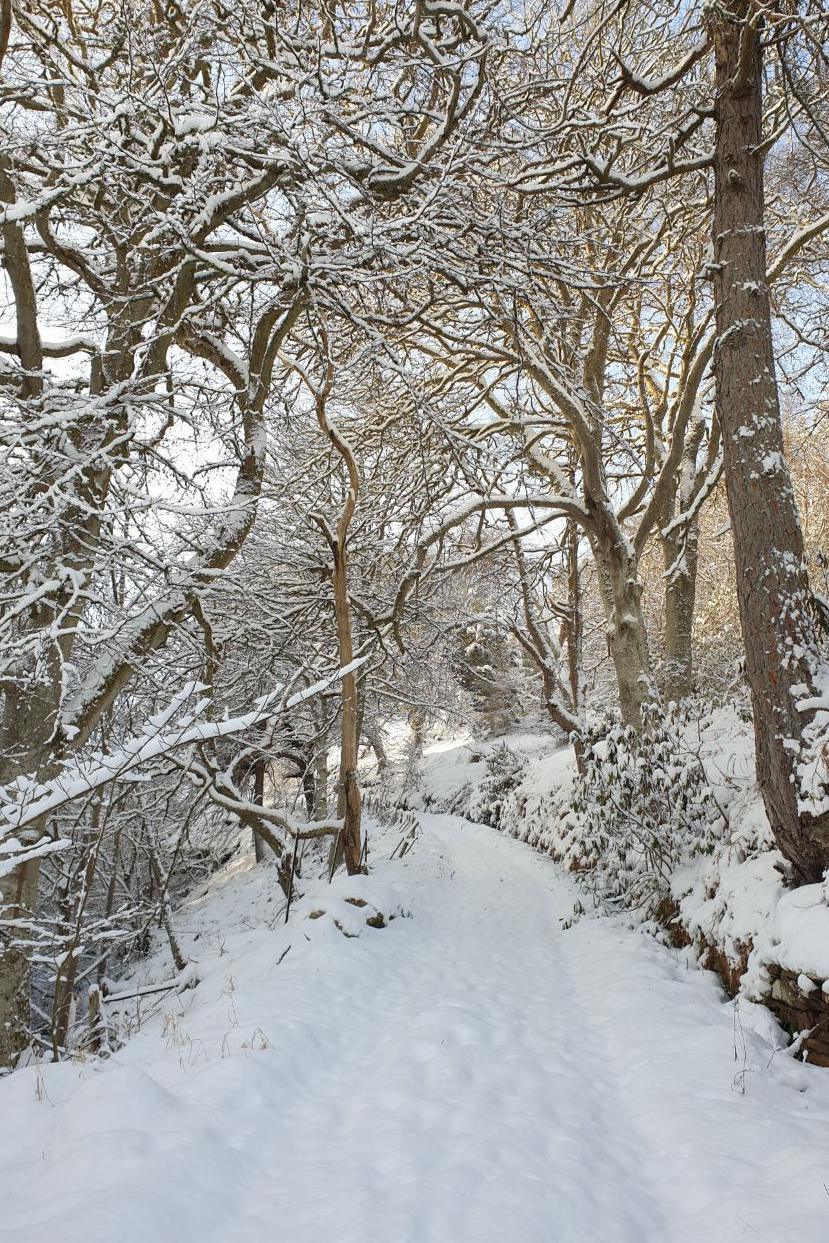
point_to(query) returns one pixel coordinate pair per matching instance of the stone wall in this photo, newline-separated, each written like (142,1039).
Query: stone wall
(799,1003)
(802,1006)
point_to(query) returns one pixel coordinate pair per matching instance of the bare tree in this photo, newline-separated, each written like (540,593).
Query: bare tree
(170,202)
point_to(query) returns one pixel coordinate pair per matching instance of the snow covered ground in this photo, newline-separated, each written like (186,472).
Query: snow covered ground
(473,1073)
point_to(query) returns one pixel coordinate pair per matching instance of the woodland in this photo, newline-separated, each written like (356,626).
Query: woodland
(374,375)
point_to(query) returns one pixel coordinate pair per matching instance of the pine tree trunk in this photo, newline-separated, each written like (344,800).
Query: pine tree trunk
(776,610)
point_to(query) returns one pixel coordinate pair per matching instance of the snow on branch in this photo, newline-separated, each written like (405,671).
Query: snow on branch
(24,804)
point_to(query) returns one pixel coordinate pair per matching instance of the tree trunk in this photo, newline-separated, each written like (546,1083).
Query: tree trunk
(574,629)
(349,803)
(628,646)
(417,724)
(259,798)
(28,718)
(349,794)
(627,636)
(321,780)
(18,900)
(680,600)
(308,791)
(779,625)
(375,739)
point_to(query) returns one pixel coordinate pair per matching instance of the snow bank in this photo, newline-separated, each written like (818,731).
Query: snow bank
(453,779)
(476,1074)
(730,902)
(796,938)
(234,934)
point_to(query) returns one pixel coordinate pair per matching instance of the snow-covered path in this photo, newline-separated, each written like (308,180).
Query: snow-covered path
(474,1073)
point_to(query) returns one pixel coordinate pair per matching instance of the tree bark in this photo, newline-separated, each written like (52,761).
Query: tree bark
(777,612)
(18,899)
(680,561)
(321,779)
(259,798)
(309,789)
(627,635)
(26,725)
(628,644)
(350,801)
(574,627)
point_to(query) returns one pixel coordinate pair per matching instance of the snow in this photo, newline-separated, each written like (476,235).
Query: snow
(734,897)
(797,937)
(451,765)
(23,803)
(472,1072)
(447,768)
(730,900)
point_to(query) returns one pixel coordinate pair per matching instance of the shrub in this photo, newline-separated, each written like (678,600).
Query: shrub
(641,807)
(504,770)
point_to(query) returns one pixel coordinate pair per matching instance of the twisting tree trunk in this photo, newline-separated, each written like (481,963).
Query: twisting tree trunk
(627,637)
(779,625)
(349,806)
